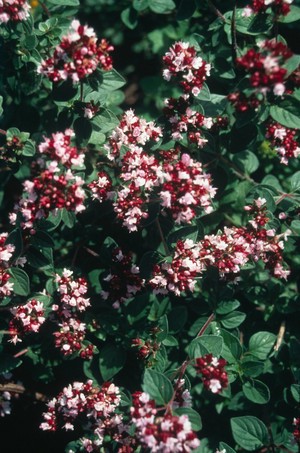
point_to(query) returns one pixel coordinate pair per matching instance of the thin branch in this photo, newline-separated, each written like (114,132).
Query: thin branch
(162,237)
(233,35)
(215,10)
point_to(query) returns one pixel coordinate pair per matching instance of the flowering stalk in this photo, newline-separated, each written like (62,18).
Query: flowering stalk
(185,364)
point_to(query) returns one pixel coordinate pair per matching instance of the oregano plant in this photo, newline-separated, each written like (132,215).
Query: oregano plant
(150,200)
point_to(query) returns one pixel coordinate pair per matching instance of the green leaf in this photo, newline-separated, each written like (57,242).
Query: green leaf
(194,417)
(15,238)
(158,386)
(232,349)
(140,5)
(112,80)
(249,432)
(227,306)
(293,16)
(65,2)
(246,161)
(287,112)
(232,320)
(170,341)
(111,360)
(295,390)
(295,181)
(256,391)
(161,6)
(68,217)
(261,344)
(129,17)
(252,368)
(29,148)
(20,280)
(223,446)
(206,344)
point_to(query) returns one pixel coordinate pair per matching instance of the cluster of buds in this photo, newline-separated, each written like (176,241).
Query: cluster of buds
(184,120)
(283,140)
(81,399)
(77,56)
(14,10)
(131,131)
(147,349)
(161,433)
(71,335)
(296,432)
(265,66)
(58,148)
(123,280)
(185,188)
(27,318)
(6,252)
(54,185)
(182,63)
(278,7)
(228,251)
(243,103)
(212,372)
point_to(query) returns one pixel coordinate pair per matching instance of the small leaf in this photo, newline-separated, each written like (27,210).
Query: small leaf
(158,386)
(295,181)
(223,446)
(261,344)
(20,280)
(249,432)
(256,391)
(111,360)
(292,16)
(295,390)
(287,112)
(246,161)
(161,6)
(206,344)
(129,18)
(65,2)
(232,320)
(232,349)
(227,306)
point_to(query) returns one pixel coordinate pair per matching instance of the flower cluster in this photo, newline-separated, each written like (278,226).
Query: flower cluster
(59,149)
(183,119)
(182,397)
(279,7)
(283,141)
(242,103)
(228,251)
(181,274)
(6,252)
(185,188)
(102,187)
(212,371)
(123,281)
(296,432)
(265,66)
(81,399)
(163,434)
(14,10)
(190,70)
(55,185)
(131,131)
(27,318)
(71,335)
(77,56)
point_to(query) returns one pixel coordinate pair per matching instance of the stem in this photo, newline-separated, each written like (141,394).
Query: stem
(233,36)
(3,132)
(185,364)
(46,10)
(161,234)
(81,91)
(24,351)
(215,10)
